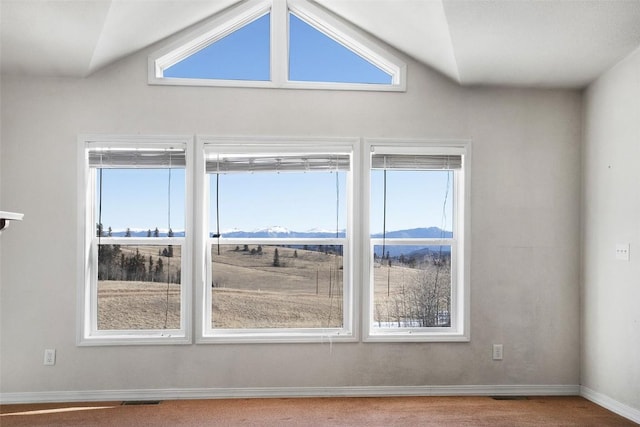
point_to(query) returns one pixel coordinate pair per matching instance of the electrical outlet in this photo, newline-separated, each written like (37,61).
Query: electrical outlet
(497,352)
(50,356)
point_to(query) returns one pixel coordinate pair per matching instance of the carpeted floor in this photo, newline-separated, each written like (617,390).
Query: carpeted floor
(348,411)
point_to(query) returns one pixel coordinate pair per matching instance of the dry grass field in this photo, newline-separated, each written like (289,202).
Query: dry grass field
(138,305)
(248,291)
(259,309)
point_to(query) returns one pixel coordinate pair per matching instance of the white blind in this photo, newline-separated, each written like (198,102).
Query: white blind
(416,162)
(278,163)
(136,158)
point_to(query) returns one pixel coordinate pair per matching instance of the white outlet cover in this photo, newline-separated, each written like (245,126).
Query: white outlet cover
(50,357)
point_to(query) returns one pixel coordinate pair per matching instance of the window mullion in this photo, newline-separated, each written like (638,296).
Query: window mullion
(279,43)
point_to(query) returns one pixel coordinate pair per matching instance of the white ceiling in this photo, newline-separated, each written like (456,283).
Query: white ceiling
(550,43)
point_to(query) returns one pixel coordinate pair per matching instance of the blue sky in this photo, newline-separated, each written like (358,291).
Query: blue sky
(315,57)
(415,199)
(140,199)
(295,200)
(304,201)
(244,55)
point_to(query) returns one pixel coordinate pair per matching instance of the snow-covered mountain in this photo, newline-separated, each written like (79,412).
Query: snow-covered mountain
(424,233)
(282,232)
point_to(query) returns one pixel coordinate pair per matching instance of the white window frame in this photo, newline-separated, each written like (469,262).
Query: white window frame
(236,17)
(459,331)
(204,332)
(357,297)
(87,333)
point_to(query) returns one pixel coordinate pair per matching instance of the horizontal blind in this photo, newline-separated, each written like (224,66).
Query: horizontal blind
(280,163)
(107,158)
(416,162)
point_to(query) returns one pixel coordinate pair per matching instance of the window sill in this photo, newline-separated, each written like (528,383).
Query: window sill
(416,336)
(262,84)
(112,339)
(260,337)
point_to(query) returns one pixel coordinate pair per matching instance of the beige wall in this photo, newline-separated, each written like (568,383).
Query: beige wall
(524,214)
(610,304)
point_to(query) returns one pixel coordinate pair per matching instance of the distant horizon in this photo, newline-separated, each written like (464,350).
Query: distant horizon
(249,202)
(232,230)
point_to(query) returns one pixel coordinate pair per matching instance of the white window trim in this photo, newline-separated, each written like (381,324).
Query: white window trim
(86,310)
(233,19)
(460,320)
(204,332)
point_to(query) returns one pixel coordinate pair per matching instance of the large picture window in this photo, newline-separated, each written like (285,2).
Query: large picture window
(416,275)
(276,240)
(136,285)
(278,252)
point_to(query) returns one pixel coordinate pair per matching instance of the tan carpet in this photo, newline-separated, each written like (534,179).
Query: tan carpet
(348,411)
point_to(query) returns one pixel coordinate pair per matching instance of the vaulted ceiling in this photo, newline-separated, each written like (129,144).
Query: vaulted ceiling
(533,43)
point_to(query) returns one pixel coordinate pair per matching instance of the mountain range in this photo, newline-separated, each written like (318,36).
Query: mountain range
(282,232)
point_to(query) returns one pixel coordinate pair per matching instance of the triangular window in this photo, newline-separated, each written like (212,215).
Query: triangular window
(241,55)
(316,57)
(278,44)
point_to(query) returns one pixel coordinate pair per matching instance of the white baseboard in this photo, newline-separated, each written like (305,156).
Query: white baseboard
(611,404)
(226,393)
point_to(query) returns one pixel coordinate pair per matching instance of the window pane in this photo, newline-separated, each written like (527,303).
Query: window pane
(287,204)
(141,200)
(268,286)
(315,57)
(418,201)
(412,287)
(242,55)
(139,287)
